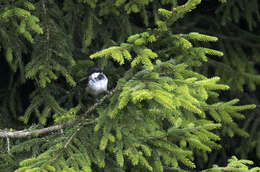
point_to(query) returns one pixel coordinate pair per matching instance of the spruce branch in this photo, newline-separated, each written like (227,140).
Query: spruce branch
(229,169)
(174,169)
(26,133)
(81,125)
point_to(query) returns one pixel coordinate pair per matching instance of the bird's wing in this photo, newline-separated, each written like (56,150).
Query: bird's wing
(91,80)
(104,77)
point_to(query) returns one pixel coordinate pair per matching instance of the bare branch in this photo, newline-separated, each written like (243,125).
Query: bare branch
(26,133)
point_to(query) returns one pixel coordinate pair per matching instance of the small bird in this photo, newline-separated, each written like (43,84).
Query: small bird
(97,82)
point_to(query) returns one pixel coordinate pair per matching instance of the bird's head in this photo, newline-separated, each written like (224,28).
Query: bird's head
(95,70)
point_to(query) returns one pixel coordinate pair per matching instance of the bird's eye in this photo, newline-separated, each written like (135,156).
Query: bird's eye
(100,76)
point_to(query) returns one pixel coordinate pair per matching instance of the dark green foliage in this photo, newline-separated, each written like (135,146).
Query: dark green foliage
(168,110)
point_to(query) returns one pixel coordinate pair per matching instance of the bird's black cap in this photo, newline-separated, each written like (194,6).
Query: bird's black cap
(95,69)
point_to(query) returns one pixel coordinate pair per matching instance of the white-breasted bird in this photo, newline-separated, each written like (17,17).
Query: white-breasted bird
(97,82)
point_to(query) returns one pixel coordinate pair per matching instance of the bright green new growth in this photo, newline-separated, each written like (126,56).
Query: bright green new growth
(136,43)
(167,92)
(235,165)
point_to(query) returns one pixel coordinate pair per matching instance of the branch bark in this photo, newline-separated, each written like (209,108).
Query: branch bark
(26,133)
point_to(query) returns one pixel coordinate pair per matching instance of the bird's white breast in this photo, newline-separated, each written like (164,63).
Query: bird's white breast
(96,86)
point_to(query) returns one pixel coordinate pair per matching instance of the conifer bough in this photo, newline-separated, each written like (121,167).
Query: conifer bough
(26,133)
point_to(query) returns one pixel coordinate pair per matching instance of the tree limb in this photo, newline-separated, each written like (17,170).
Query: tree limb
(26,133)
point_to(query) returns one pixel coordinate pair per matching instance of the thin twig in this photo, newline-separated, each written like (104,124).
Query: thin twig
(101,100)
(8,144)
(47,31)
(65,146)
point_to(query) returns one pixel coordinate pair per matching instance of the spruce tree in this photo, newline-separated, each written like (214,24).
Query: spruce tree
(172,82)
